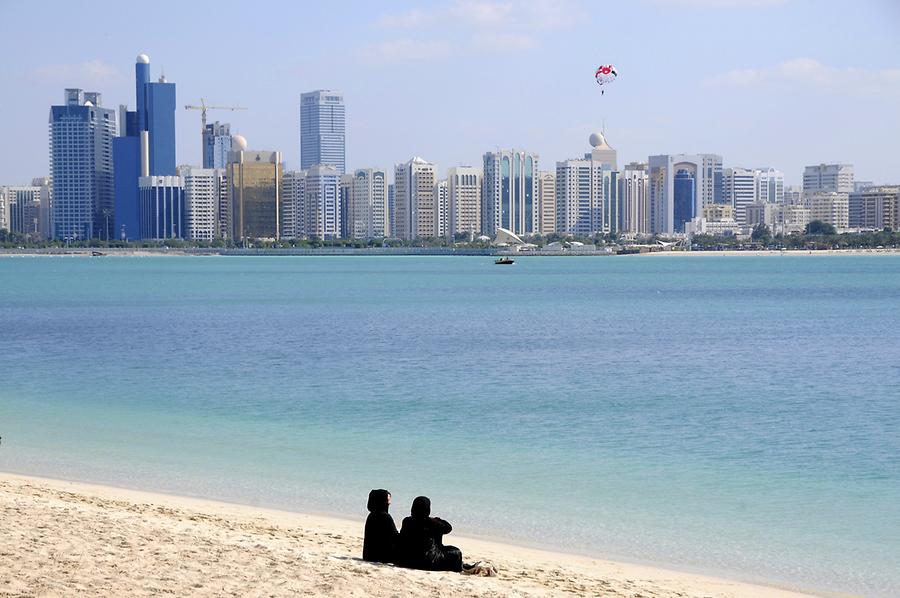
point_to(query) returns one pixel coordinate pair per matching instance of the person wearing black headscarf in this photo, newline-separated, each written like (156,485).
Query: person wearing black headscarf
(380,541)
(420,541)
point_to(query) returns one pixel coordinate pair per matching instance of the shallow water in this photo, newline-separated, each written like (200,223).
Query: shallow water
(737,415)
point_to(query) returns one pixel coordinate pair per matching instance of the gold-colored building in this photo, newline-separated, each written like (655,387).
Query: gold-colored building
(254,189)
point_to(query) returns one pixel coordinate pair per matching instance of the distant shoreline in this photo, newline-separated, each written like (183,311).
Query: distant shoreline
(412,251)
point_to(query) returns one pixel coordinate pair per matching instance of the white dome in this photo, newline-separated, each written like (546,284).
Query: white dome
(238,143)
(88,103)
(597,139)
(142,59)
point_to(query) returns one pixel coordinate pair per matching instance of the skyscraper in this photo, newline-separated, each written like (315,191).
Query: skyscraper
(81,166)
(323,202)
(741,189)
(828,177)
(706,172)
(368,204)
(509,195)
(546,202)
(201,203)
(145,146)
(322,129)
(442,209)
(414,199)
(23,209)
(633,183)
(464,186)
(293,204)
(771,185)
(254,190)
(346,186)
(216,145)
(587,191)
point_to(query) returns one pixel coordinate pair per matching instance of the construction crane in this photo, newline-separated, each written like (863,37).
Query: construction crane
(203,107)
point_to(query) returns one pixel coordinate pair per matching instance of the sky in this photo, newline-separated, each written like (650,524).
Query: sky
(764,83)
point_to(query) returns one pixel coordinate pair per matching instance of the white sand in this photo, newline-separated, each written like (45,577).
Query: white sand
(62,539)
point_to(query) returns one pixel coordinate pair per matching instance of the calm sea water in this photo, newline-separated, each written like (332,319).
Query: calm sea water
(734,415)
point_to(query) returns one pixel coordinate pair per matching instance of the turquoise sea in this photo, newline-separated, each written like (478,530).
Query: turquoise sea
(733,415)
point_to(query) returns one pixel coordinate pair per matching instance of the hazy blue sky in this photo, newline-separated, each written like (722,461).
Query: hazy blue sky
(780,83)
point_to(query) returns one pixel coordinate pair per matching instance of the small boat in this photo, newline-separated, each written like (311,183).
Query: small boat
(505,261)
(97,253)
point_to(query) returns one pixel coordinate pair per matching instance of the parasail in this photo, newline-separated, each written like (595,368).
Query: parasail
(606,74)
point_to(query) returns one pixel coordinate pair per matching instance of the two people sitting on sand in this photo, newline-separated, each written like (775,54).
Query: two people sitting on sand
(418,544)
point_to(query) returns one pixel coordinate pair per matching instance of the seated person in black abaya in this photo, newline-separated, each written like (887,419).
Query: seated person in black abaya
(380,541)
(420,541)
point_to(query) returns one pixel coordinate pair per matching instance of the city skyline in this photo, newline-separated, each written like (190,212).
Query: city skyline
(799,98)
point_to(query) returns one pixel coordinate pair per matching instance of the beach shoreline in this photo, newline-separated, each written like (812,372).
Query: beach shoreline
(72,537)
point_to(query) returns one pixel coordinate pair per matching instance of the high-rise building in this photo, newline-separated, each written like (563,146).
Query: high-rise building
(634,199)
(81,166)
(770,185)
(346,187)
(323,202)
(700,176)
(442,208)
(368,204)
(23,209)
(464,187)
(145,145)
(392,211)
(202,188)
(546,202)
(293,204)
(836,178)
(414,199)
(509,193)
(216,145)
(323,129)
(829,207)
(254,189)
(741,188)
(4,210)
(587,192)
(162,207)
(875,208)
(862,185)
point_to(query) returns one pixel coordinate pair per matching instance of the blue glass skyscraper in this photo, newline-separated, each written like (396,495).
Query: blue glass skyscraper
(323,129)
(216,145)
(684,195)
(145,147)
(81,166)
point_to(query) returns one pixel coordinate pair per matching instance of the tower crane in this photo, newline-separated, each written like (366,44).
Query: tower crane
(203,107)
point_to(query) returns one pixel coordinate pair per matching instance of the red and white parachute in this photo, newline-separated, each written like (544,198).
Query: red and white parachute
(606,74)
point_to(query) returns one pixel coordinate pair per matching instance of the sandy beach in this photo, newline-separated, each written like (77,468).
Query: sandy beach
(65,538)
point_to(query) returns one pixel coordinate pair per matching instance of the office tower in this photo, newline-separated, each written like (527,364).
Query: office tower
(587,192)
(634,198)
(201,202)
(464,187)
(293,204)
(322,129)
(828,206)
(699,175)
(46,199)
(875,208)
(837,178)
(442,209)
(741,189)
(546,202)
(81,166)
(509,193)
(162,207)
(368,204)
(216,145)
(254,193)
(346,185)
(414,199)
(323,202)
(770,185)
(145,145)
